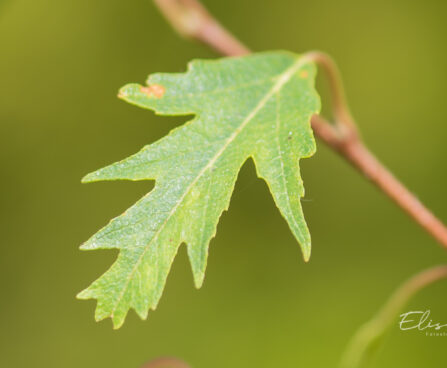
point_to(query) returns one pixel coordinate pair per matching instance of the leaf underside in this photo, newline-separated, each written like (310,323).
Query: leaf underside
(256,106)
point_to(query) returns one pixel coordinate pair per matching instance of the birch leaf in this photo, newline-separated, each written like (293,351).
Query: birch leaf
(256,106)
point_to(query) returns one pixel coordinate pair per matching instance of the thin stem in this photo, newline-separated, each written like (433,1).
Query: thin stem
(343,118)
(362,159)
(367,337)
(191,19)
(166,363)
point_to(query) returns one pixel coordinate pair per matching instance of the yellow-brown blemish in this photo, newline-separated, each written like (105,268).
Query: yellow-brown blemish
(153,90)
(304,74)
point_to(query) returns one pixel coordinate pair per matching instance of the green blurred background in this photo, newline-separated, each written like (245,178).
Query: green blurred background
(61,64)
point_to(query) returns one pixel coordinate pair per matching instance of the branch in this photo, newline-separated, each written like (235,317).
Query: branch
(366,338)
(166,363)
(192,20)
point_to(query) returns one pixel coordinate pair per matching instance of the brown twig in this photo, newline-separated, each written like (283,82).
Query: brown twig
(343,118)
(364,340)
(362,159)
(166,363)
(192,20)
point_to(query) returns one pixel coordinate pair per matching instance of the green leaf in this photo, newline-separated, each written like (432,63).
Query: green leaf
(256,106)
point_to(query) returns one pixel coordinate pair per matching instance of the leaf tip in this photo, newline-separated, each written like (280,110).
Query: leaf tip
(143,313)
(306,253)
(198,282)
(83,295)
(122,93)
(118,318)
(117,324)
(88,178)
(127,91)
(85,246)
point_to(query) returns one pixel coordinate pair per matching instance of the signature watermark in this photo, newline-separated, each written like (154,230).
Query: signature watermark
(420,320)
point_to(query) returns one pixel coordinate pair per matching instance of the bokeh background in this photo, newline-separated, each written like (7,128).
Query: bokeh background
(61,64)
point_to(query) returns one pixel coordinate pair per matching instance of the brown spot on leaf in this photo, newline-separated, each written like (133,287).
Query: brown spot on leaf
(154,90)
(304,74)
